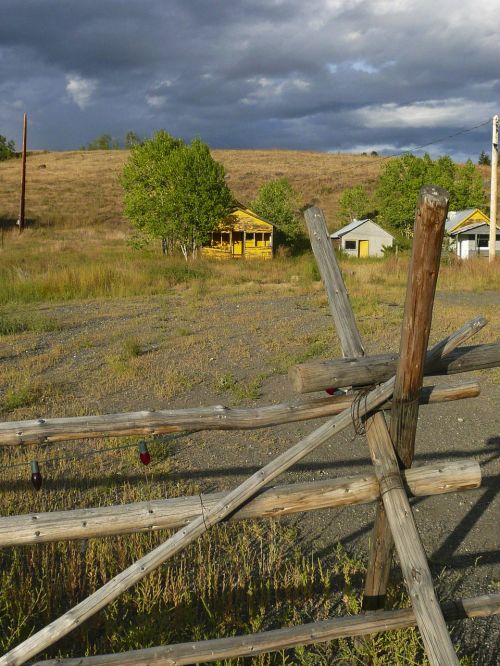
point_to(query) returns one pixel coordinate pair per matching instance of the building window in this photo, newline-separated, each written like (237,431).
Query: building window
(250,240)
(350,245)
(482,241)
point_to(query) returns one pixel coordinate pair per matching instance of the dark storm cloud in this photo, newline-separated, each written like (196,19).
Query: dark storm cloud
(327,74)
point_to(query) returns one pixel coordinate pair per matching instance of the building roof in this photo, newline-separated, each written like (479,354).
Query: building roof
(469,227)
(241,218)
(455,218)
(354,225)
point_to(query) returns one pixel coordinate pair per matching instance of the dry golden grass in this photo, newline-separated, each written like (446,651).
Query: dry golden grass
(66,189)
(79,188)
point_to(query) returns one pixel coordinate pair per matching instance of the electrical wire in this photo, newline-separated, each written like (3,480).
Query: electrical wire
(381,158)
(87,454)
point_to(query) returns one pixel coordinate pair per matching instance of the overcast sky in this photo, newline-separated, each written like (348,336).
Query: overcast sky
(328,75)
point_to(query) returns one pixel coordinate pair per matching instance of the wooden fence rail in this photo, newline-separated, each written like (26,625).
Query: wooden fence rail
(273,502)
(281,639)
(218,417)
(320,375)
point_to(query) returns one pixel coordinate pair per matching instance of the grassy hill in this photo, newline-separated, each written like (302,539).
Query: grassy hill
(80,188)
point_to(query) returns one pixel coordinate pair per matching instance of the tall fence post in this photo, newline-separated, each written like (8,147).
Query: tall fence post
(421,287)
(432,208)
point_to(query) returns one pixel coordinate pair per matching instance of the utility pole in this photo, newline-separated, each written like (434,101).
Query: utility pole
(493,190)
(23,177)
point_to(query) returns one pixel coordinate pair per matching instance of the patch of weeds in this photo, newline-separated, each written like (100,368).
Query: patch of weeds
(183,331)
(15,398)
(119,365)
(171,383)
(132,348)
(224,382)
(179,272)
(311,271)
(200,288)
(15,325)
(249,390)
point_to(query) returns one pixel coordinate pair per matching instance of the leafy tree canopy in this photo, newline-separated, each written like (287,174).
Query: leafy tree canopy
(400,182)
(103,142)
(277,202)
(174,191)
(354,204)
(484,159)
(131,139)
(7,148)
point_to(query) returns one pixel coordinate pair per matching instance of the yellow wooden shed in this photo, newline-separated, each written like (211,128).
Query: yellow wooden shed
(241,235)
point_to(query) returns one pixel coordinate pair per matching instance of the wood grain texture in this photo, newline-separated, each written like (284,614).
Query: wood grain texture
(432,208)
(218,417)
(320,375)
(279,639)
(412,558)
(338,299)
(274,502)
(430,620)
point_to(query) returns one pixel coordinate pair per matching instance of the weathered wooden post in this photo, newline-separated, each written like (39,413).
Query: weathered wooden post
(23,173)
(338,299)
(432,208)
(421,284)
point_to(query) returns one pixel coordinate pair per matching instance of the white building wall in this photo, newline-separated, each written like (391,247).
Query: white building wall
(377,239)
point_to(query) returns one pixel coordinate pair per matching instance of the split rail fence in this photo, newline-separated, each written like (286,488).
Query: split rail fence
(375,383)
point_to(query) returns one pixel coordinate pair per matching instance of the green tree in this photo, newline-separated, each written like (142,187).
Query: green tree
(131,139)
(175,192)
(103,142)
(198,197)
(277,202)
(354,203)
(468,190)
(484,159)
(7,148)
(400,182)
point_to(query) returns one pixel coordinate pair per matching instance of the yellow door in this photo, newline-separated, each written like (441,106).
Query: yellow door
(237,243)
(363,248)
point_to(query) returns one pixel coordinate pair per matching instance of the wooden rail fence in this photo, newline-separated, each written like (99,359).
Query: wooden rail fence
(390,382)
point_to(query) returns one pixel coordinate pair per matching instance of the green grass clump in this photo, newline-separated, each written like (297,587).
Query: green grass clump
(14,325)
(15,398)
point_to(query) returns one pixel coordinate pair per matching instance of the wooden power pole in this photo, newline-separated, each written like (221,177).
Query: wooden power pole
(493,200)
(23,177)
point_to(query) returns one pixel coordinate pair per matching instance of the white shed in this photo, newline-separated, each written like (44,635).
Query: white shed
(473,240)
(362,238)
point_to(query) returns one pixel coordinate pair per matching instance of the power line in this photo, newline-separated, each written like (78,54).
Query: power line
(425,145)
